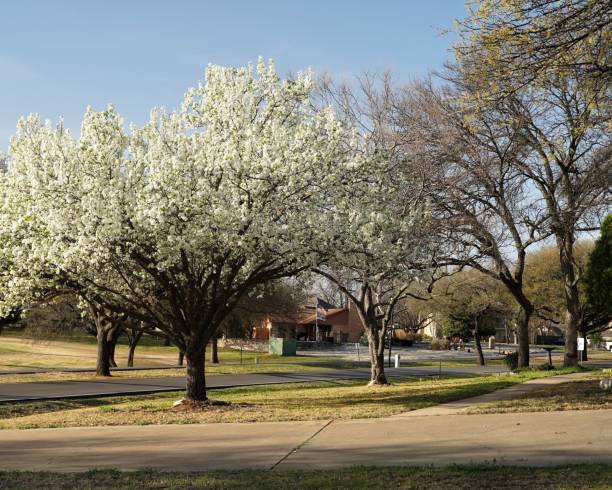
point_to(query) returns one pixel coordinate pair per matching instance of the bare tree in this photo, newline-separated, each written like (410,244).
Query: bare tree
(329,292)
(543,67)
(566,125)
(480,202)
(521,42)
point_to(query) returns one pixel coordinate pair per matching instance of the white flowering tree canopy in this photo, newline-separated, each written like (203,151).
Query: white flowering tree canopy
(380,219)
(175,222)
(380,240)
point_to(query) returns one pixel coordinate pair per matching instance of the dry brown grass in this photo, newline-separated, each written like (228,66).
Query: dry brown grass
(305,401)
(18,352)
(582,394)
(25,353)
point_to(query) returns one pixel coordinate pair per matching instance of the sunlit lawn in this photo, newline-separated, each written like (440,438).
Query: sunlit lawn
(345,399)
(579,394)
(21,352)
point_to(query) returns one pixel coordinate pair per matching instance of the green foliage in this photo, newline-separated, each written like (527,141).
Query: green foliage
(544,279)
(355,477)
(467,299)
(598,276)
(464,328)
(511,43)
(453,328)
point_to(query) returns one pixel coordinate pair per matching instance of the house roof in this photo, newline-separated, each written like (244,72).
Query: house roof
(310,316)
(305,316)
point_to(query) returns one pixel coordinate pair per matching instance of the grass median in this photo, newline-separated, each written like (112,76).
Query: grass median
(338,399)
(357,477)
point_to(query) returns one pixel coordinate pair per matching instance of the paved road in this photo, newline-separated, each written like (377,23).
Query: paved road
(548,438)
(420,352)
(9,372)
(49,390)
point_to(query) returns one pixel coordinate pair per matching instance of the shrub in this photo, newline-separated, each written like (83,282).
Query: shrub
(439,344)
(511,360)
(414,337)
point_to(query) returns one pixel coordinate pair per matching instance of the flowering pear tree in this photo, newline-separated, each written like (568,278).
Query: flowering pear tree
(175,224)
(380,247)
(379,244)
(42,203)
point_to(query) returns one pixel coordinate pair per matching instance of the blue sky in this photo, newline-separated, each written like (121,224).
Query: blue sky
(58,57)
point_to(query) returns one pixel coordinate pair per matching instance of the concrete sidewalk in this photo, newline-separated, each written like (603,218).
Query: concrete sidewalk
(549,438)
(167,447)
(53,390)
(546,438)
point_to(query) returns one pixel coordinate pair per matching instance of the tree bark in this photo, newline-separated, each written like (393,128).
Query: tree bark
(103,357)
(196,382)
(585,354)
(214,352)
(181,358)
(522,331)
(377,358)
(111,354)
(565,244)
(133,340)
(481,359)
(572,319)
(112,343)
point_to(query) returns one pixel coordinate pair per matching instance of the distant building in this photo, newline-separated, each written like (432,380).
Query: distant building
(340,325)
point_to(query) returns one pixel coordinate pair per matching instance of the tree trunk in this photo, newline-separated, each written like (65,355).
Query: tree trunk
(181,358)
(130,359)
(103,359)
(377,358)
(133,340)
(585,356)
(196,382)
(481,359)
(572,319)
(565,244)
(214,354)
(112,337)
(522,330)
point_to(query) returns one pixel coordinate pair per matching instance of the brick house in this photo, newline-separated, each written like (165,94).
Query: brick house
(340,325)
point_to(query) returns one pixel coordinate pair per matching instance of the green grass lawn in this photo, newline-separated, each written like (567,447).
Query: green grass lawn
(571,477)
(22,352)
(340,399)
